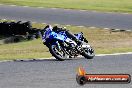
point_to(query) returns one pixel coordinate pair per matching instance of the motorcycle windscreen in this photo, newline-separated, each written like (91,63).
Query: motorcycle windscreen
(46,34)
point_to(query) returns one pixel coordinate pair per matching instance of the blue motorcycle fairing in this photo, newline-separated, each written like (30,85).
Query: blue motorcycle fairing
(51,36)
(57,36)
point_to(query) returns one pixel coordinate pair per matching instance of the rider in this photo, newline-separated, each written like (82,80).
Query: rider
(69,34)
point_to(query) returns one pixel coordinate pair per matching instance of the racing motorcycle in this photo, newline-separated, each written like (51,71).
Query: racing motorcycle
(62,47)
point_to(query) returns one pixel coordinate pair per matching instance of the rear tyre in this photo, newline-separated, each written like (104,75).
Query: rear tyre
(58,53)
(88,53)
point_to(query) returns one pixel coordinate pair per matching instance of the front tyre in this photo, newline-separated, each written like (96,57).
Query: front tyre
(57,52)
(88,53)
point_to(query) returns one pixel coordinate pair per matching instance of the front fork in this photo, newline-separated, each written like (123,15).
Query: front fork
(58,45)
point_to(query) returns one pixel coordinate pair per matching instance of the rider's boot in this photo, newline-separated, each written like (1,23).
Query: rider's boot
(79,42)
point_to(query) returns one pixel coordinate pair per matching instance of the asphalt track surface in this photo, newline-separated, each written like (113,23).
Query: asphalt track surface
(69,17)
(62,74)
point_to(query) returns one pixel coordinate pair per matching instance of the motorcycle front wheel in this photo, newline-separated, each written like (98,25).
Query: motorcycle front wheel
(57,52)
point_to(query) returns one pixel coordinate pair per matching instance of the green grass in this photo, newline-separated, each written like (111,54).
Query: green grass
(102,41)
(100,5)
(23,50)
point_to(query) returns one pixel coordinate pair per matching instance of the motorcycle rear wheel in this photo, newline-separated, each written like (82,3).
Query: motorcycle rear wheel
(88,53)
